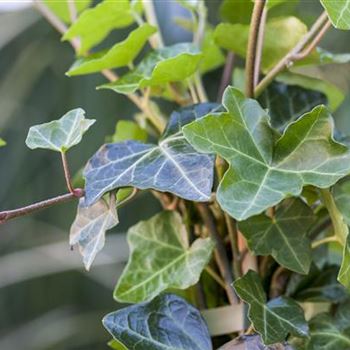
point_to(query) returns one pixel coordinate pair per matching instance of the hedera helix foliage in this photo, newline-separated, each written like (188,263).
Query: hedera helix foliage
(255,189)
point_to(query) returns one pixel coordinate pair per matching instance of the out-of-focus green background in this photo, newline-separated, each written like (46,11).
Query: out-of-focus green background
(47,301)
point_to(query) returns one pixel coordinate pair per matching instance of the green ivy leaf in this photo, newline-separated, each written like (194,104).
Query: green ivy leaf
(341,194)
(171,166)
(275,319)
(281,35)
(2,142)
(93,25)
(61,8)
(89,228)
(167,322)
(238,11)
(329,333)
(338,12)
(60,135)
(264,171)
(165,65)
(160,258)
(128,130)
(115,344)
(344,272)
(284,236)
(121,54)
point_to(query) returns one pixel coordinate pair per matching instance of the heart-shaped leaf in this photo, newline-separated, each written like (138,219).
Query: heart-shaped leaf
(338,12)
(284,236)
(121,54)
(90,226)
(165,65)
(60,135)
(275,319)
(160,258)
(94,24)
(264,171)
(167,322)
(171,166)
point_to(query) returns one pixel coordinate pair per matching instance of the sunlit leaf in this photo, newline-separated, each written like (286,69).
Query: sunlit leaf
(61,8)
(90,226)
(128,130)
(281,35)
(2,142)
(115,344)
(264,171)
(274,319)
(95,24)
(160,258)
(60,135)
(121,54)
(170,166)
(168,64)
(238,11)
(167,322)
(284,236)
(338,12)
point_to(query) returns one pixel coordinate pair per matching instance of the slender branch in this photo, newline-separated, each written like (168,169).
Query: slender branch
(226,74)
(252,45)
(72,10)
(260,45)
(215,276)
(200,88)
(10,214)
(67,172)
(324,240)
(156,40)
(292,55)
(220,251)
(193,92)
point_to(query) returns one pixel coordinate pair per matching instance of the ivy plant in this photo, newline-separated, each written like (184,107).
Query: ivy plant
(253,178)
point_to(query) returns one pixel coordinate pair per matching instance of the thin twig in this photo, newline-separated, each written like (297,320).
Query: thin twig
(259,47)
(67,172)
(252,45)
(220,251)
(10,214)
(292,55)
(324,240)
(226,77)
(72,11)
(200,88)
(215,276)
(156,40)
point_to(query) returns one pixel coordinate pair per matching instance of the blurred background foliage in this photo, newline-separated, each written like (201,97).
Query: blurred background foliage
(47,301)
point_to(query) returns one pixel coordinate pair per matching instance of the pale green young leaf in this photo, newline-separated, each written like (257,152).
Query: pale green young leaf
(284,237)
(165,65)
(121,54)
(94,24)
(2,142)
(344,272)
(62,134)
(61,8)
(281,35)
(263,171)
(115,344)
(128,130)
(275,319)
(89,228)
(338,12)
(161,257)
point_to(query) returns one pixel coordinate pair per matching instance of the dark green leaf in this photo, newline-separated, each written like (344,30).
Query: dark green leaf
(236,11)
(165,65)
(128,130)
(341,194)
(262,172)
(167,322)
(275,319)
(94,24)
(121,54)
(61,8)
(90,226)
(338,12)
(161,258)
(60,135)
(171,166)
(284,237)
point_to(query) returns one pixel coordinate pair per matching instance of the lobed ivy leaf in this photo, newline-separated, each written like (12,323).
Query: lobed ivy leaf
(170,166)
(61,8)
(169,64)
(167,322)
(60,135)
(338,12)
(129,130)
(286,103)
(281,35)
(121,54)
(94,24)
(263,171)
(160,258)
(89,228)
(274,319)
(284,236)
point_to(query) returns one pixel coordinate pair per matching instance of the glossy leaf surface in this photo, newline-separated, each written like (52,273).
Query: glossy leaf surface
(60,135)
(171,166)
(284,237)
(264,171)
(161,258)
(275,319)
(167,322)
